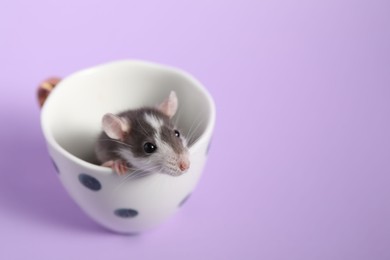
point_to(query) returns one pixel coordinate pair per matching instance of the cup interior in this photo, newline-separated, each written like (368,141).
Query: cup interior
(71,117)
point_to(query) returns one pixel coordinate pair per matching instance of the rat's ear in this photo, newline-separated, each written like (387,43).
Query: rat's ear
(169,105)
(115,127)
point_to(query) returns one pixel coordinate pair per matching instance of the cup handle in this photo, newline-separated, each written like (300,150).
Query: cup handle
(45,88)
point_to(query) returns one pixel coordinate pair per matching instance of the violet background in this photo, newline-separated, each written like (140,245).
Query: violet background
(300,162)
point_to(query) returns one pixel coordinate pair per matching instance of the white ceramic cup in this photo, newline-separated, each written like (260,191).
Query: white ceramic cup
(71,121)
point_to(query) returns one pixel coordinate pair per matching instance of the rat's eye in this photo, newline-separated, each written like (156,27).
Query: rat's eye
(150,148)
(177,133)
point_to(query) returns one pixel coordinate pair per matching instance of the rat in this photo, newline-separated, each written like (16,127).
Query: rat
(144,139)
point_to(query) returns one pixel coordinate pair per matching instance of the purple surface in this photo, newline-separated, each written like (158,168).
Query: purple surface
(300,162)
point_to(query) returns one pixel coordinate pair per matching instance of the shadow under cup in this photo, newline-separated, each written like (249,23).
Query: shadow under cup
(71,123)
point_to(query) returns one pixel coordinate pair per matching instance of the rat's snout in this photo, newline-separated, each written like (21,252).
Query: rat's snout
(184,165)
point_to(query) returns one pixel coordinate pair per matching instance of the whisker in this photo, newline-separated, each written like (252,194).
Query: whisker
(192,129)
(136,173)
(116,141)
(192,124)
(190,137)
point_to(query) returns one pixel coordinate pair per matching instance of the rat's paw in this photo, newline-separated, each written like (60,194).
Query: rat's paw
(120,167)
(108,164)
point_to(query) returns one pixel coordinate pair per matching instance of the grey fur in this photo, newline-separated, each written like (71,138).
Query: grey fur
(140,132)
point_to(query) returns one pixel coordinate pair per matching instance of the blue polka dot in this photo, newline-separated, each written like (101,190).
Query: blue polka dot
(184,200)
(126,213)
(55,165)
(90,182)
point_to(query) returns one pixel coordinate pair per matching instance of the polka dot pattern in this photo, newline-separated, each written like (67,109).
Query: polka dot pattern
(184,200)
(90,182)
(94,184)
(126,213)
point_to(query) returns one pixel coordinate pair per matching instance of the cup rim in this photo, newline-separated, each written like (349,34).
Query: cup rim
(48,134)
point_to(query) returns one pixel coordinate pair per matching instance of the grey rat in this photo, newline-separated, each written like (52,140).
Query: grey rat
(144,139)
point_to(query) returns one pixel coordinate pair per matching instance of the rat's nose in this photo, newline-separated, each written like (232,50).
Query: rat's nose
(184,165)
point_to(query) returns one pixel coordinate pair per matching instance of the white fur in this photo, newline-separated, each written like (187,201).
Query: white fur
(138,163)
(154,122)
(165,156)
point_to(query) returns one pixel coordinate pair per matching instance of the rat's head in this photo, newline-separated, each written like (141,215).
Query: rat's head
(148,140)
